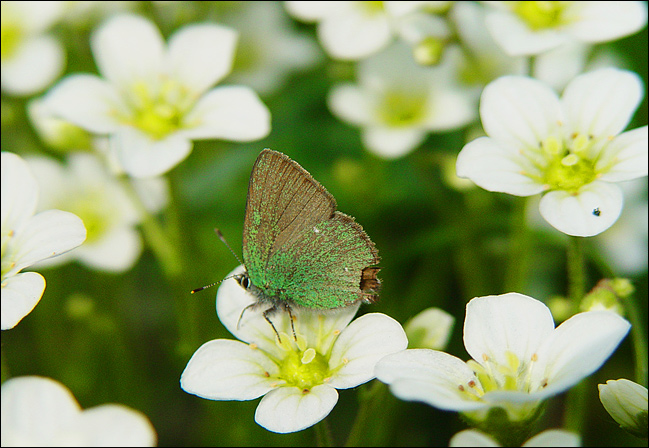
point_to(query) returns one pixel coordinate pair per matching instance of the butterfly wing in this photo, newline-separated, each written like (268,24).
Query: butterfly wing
(283,200)
(296,247)
(328,267)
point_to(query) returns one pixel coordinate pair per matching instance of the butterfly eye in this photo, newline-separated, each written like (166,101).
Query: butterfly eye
(243,280)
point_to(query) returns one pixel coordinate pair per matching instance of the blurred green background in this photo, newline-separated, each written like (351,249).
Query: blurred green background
(126,338)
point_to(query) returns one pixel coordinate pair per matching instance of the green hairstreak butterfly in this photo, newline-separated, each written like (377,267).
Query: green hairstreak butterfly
(298,250)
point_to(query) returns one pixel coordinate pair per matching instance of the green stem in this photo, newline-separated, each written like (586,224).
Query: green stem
(519,253)
(575,412)
(165,244)
(576,272)
(323,433)
(369,399)
(639,339)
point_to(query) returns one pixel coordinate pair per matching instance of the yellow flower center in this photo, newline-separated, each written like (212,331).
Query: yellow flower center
(398,109)
(302,367)
(158,110)
(568,166)
(541,15)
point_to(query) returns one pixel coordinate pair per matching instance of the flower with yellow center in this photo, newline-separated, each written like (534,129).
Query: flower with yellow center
(298,376)
(531,28)
(519,360)
(155,98)
(571,149)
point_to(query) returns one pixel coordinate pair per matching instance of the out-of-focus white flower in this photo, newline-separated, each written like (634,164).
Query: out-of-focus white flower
(85,188)
(55,132)
(297,377)
(529,28)
(31,59)
(398,102)
(430,328)
(348,29)
(154,99)
(625,243)
(519,360)
(483,59)
(38,411)
(550,437)
(626,401)
(571,149)
(269,48)
(28,238)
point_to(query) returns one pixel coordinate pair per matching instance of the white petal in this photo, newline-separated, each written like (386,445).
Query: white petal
(34,409)
(116,251)
(311,11)
(554,437)
(471,437)
(87,101)
(360,345)
(601,103)
(349,103)
(593,210)
(249,326)
(19,192)
(224,369)
(391,142)
(20,294)
(140,156)
(45,235)
(115,425)
(429,376)
(127,49)
(288,409)
(517,39)
(627,154)
(38,62)
(494,167)
(577,348)
(354,34)
(231,113)
(201,55)
(603,21)
(512,322)
(520,112)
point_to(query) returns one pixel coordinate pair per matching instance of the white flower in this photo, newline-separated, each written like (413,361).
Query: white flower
(519,359)
(297,378)
(28,238)
(38,411)
(626,401)
(154,99)
(348,29)
(85,188)
(550,437)
(528,28)
(269,49)
(31,59)
(484,60)
(398,102)
(430,328)
(568,148)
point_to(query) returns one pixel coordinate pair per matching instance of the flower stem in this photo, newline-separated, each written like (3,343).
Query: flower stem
(576,272)
(164,241)
(323,434)
(639,339)
(519,253)
(370,399)
(575,411)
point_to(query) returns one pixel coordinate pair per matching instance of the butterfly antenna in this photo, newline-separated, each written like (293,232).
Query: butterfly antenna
(222,238)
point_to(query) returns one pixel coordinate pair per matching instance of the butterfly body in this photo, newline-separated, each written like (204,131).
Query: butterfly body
(298,250)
